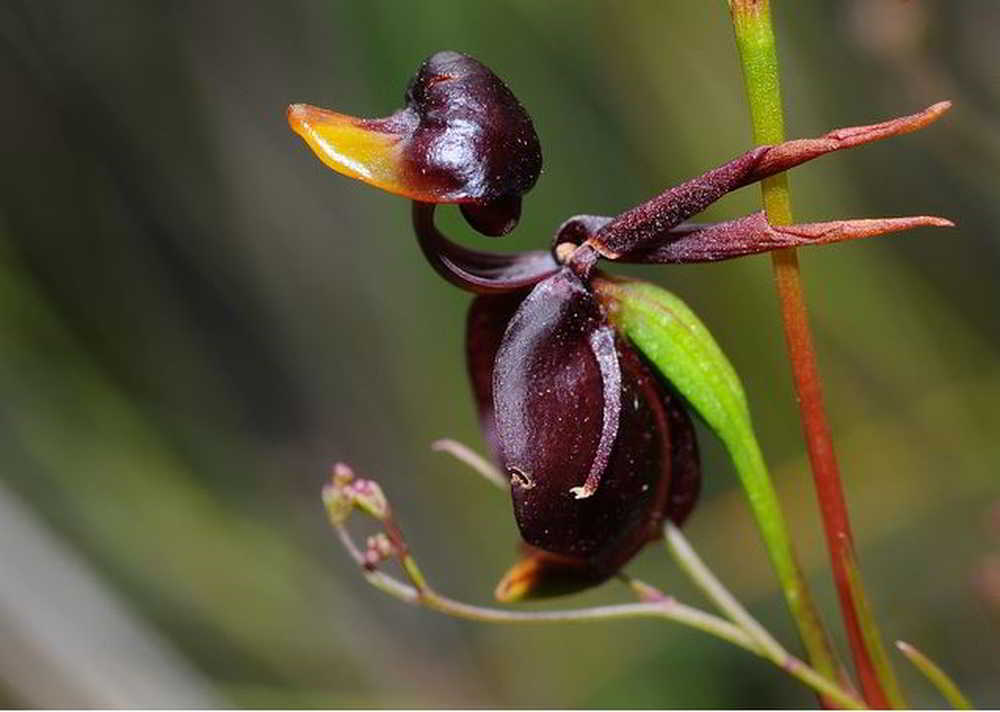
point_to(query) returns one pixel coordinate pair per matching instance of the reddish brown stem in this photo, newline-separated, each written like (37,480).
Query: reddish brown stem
(823,459)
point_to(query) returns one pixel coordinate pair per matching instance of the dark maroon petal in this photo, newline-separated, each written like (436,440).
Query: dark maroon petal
(485,325)
(602,346)
(476,271)
(653,473)
(580,228)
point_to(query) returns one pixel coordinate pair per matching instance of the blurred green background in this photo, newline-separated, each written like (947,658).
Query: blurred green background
(197,319)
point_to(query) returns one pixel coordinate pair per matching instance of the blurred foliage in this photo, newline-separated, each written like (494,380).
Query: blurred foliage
(197,319)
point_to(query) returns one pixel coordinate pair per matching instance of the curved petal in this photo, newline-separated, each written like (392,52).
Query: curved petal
(476,271)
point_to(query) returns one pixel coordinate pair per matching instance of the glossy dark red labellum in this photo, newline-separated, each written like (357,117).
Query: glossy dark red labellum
(462,137)
(473,141)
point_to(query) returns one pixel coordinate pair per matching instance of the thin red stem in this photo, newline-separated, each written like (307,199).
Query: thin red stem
(823,459)
(755,39)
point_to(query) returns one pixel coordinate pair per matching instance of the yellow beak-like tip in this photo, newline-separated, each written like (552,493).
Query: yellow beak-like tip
(345,144)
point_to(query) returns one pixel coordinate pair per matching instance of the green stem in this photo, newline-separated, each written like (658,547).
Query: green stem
(938,677)
(774,530)
(476,462)
(717,593)
(419,592)
(755,39)
(691,564)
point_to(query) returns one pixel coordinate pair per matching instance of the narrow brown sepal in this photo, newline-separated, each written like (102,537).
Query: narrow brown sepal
(793,153)
(643,226)
(753,234)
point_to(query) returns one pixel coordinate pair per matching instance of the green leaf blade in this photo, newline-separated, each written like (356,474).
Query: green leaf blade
(668,333)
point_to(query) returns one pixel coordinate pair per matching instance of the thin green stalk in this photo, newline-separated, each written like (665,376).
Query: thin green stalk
(937,677)
(690,563)
(711,586)
(771,521)
(419,592)
(871,636)
(755,39)
(476,462)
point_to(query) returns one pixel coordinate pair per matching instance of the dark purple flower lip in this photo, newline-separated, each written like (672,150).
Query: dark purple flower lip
(462,137)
